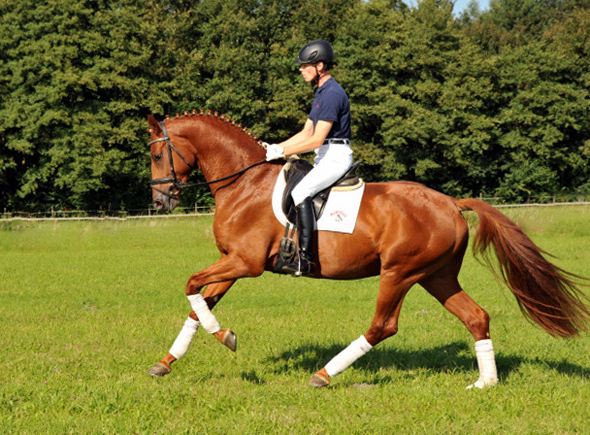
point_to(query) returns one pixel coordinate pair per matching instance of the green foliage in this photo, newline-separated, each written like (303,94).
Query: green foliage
(463,104)
(74,82)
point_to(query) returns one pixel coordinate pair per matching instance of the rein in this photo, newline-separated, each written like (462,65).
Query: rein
(176,183)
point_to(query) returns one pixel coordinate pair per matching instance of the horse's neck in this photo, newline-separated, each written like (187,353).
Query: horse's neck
(223,149)
(219,147)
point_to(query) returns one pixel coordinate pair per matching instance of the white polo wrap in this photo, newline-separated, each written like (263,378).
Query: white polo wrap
(344,359)
(183,341)
(486,362)
(206,317)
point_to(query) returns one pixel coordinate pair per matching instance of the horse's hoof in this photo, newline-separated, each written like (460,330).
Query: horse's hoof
(159,370)
(320,379)
(483,383)
(228,338)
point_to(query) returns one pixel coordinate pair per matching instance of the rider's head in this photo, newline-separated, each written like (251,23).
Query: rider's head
(314,53)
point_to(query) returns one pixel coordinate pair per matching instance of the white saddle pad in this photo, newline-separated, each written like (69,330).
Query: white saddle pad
(340,212)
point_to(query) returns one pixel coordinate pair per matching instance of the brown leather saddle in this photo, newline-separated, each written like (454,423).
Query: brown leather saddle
(299,168)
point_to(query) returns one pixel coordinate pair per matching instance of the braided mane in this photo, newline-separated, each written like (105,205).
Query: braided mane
(223,117)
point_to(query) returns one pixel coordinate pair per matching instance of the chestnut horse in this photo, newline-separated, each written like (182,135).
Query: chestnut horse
(405,232)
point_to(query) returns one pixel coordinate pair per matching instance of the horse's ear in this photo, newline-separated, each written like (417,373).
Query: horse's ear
(154,125)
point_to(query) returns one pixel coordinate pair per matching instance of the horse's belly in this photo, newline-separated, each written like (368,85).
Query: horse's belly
(345,256)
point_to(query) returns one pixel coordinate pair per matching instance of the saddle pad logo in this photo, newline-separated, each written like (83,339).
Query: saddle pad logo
(338,215)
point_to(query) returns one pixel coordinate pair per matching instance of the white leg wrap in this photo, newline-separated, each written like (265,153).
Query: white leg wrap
(344,359)
(183,341)
(486,361)
(206,317)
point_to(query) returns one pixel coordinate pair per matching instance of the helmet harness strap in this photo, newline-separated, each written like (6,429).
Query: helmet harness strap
(316,81)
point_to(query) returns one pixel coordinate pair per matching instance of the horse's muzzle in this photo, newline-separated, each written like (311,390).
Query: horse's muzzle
(164,202)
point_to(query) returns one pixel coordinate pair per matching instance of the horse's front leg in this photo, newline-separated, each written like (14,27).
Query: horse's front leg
(229,268)
(218,278)
(189,330)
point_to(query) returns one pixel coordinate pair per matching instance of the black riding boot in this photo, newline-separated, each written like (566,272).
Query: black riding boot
(305,225)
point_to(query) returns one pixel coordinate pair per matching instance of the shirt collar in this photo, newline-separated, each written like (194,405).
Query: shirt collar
(325,85)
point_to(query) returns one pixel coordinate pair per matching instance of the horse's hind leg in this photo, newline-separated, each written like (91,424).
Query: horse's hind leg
(189,330)
(384,325)
(447,290)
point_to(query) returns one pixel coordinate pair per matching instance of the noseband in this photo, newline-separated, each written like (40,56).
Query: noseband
(176,183)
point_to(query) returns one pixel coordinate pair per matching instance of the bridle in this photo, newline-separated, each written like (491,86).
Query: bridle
(177,184)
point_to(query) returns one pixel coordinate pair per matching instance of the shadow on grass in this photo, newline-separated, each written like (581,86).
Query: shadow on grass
(454,357)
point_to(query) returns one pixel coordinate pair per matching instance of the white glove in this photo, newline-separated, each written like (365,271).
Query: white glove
(274,152)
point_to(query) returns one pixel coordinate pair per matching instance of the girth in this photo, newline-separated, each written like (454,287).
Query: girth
(299,168)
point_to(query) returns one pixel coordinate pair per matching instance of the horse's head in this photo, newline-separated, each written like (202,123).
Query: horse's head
(224,151)
(170,165)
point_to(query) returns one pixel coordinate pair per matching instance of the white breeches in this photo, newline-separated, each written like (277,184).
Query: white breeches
(327,170)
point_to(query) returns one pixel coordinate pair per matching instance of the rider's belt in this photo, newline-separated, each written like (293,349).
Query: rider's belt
(337,142)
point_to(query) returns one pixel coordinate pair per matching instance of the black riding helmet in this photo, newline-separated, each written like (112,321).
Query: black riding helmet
(317,51)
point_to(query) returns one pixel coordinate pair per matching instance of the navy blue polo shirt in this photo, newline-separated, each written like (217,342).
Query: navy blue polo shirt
(331,104)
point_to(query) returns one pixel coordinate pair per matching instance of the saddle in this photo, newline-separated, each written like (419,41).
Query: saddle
(296,169)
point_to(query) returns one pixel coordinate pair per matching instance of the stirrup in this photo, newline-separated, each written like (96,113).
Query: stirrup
(300,267)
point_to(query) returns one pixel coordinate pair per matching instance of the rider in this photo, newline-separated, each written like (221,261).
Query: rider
(327,132)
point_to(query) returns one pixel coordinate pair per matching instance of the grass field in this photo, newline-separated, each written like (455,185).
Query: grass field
(86,308)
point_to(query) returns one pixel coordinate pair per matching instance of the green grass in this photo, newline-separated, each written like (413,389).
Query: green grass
(87,307)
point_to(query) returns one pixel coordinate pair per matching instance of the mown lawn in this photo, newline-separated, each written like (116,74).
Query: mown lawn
(86,308)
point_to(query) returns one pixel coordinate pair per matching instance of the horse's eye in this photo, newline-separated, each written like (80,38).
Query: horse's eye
(157,157)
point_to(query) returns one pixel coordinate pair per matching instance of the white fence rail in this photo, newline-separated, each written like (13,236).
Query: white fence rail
(100,215)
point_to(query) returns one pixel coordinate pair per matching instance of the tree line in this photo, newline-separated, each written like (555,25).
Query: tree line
(492,103)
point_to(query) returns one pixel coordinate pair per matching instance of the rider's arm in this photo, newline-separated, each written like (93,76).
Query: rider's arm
(307,139)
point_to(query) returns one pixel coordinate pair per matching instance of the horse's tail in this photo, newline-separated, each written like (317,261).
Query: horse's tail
(546,294)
